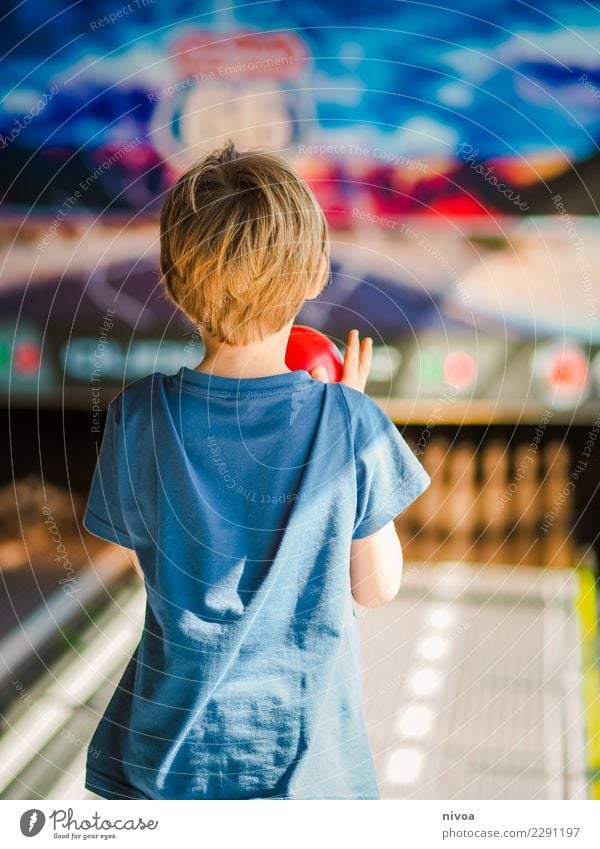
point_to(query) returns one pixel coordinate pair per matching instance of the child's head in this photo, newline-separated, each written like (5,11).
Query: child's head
(241,244)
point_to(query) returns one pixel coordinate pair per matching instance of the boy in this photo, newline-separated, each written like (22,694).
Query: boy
(255,502)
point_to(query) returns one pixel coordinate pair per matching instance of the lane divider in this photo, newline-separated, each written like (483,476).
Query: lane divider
(28,638)
(587,608)
(104,644)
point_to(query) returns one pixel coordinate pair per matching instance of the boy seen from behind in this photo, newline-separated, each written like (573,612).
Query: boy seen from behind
(256,503)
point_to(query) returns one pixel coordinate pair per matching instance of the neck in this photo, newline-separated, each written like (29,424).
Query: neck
(264,358)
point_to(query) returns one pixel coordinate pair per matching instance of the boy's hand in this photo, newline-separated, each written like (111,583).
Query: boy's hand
(357,362)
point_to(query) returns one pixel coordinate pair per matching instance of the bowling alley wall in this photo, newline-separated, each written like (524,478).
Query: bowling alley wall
(456,160)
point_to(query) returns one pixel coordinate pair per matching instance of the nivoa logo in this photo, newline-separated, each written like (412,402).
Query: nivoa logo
(32,822)
(456,815)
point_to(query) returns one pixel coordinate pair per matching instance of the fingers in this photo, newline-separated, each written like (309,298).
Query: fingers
(365,358)
(351,357)
(357,360)
(320,373)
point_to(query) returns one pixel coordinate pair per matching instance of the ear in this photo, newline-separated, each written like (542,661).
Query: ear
(320,279)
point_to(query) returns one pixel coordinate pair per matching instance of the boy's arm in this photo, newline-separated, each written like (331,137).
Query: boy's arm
(376,559)
(376,567)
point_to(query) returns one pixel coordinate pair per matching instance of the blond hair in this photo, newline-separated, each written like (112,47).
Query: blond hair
(241,240)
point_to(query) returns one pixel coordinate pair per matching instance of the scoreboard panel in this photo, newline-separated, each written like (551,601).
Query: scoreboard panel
(440,348)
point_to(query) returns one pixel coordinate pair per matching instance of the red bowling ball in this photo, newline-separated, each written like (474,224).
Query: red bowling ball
(308,348)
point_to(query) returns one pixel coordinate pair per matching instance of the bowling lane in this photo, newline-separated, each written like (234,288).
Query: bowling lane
(473,682)
(473,685)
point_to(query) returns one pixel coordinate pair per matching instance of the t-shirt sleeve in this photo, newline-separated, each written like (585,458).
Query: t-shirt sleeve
(104,516)
(389,477)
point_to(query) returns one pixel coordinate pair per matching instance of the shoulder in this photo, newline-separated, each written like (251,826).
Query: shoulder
(136,395)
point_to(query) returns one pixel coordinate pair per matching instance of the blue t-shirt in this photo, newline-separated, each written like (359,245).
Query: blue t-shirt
(241,498)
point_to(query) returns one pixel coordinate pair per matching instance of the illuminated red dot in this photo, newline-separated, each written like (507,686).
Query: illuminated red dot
(460,369)
(567,369)
(26,358)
